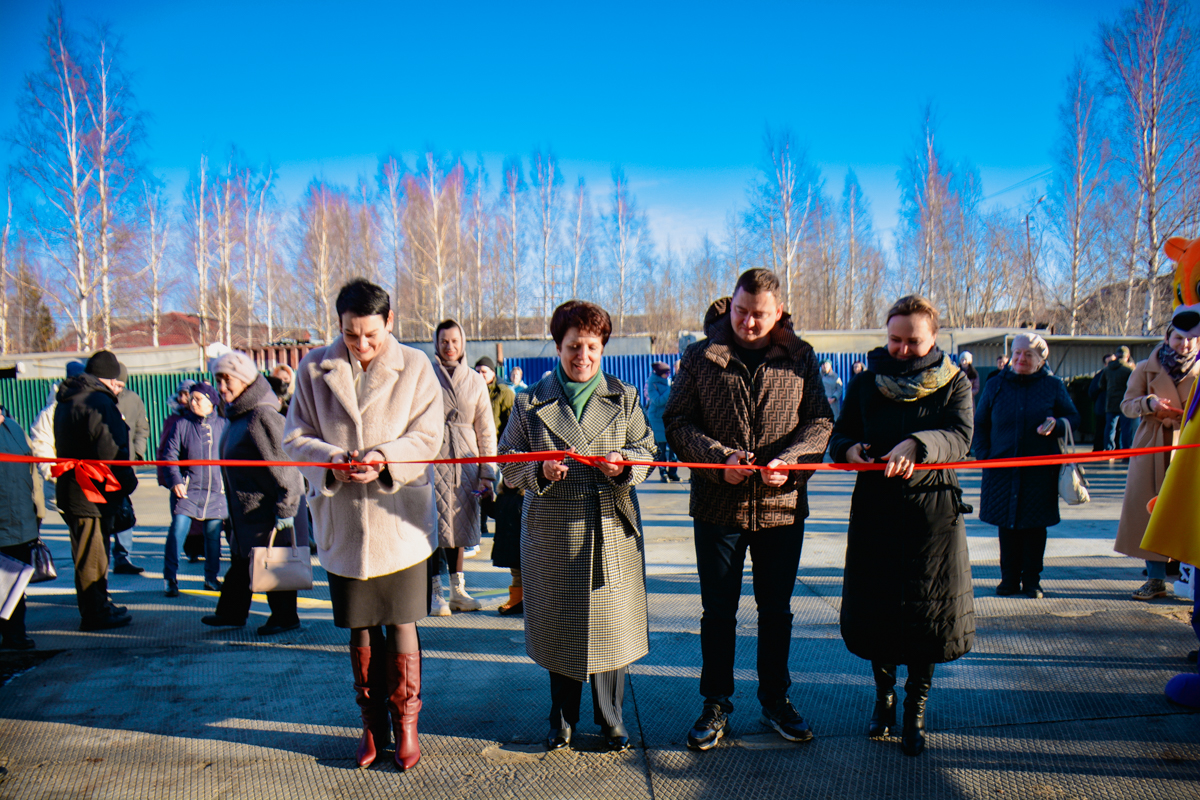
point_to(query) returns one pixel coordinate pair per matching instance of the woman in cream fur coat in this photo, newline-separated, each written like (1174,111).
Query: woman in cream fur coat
(369,400)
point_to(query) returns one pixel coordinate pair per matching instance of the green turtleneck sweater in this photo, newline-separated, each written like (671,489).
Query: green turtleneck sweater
(577,393)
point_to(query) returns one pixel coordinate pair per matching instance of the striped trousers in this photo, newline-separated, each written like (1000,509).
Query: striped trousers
(608,696)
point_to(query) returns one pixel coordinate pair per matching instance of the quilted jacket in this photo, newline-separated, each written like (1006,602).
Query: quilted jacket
(472,434)
(717,407)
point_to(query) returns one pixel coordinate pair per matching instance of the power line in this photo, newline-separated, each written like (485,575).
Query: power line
(1031,179)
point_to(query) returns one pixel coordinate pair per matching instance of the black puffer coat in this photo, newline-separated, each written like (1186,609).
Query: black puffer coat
(907,595)
(1010,410)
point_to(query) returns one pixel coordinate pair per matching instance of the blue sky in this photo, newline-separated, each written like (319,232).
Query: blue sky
(678,94)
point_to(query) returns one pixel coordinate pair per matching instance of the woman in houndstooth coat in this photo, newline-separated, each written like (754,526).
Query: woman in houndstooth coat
(582,558)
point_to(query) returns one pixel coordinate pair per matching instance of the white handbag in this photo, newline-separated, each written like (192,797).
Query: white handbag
(1072,485)
(280,569)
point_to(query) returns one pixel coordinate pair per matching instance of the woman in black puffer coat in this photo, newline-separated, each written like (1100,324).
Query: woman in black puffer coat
(906,595)
(1024,412)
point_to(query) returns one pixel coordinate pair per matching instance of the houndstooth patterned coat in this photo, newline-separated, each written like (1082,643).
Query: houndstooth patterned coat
(582,559)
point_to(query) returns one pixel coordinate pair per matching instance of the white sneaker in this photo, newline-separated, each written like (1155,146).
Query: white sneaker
(459,599)
(471,552)
(438,607)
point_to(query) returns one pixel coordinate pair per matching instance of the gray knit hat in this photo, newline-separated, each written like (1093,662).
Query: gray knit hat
(236,364)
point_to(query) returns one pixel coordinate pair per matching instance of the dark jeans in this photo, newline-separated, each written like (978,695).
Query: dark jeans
(13,628)
(234,603)
(180,525)
(1021,552)
(720,557)
(1118,432)
(608,696)
(664,454)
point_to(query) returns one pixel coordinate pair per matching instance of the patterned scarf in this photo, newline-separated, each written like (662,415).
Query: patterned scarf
(1177,366)
(909,381)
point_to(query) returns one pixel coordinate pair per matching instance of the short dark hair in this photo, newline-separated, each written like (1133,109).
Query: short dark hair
(445,325)
(912,304)
(587,317)
(757,281)
(362,298)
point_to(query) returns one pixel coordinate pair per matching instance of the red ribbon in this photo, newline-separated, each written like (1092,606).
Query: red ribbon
(89,470)
(86,473)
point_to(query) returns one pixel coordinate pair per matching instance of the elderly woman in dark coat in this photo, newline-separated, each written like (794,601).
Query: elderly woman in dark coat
(261,500)
(1024,412)
(907,596)
(582,555)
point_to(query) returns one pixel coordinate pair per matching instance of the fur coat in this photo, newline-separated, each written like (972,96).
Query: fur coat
(366,530)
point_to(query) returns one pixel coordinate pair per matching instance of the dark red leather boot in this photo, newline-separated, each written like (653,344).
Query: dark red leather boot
(404,702)
(370,686)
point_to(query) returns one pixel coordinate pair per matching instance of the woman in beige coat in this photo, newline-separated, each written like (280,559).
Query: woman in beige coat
(470,431)
(370,401)
(1157,390)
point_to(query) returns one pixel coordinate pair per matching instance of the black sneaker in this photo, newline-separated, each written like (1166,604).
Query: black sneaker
(708,730)
(127,568)
(784,718)
(1007,589)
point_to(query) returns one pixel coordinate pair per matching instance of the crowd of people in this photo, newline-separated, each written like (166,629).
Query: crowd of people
(396,505)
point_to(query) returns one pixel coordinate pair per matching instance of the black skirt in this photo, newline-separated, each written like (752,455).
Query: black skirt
(393,599)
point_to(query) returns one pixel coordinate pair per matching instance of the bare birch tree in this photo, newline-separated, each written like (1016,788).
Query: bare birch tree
(391,184)
(1150,56)
(548,181)
(513,198)
(51,132)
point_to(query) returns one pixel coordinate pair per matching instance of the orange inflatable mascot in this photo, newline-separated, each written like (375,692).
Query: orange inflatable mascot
(1174,528)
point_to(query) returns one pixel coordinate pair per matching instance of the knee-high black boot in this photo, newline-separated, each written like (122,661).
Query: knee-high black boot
(883,719)
(916,692)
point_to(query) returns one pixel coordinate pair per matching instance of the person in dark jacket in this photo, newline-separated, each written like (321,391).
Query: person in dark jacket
(1099,403)
(906,595)
(749,394)
(22,509)
(658,390)
(1024,412)
(262,500)
(88,425)
(133,409)
(505,508)
(198,492)
(1114,379)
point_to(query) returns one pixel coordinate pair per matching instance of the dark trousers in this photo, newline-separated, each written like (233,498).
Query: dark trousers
(720,558)
(1118,432)
(920,677)
(608,696)
(665,454)
(234,603)
(1021,553)
(13,628)
(89,550)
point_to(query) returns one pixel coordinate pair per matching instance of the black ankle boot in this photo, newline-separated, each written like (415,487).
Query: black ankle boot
(883,719)
(916,692)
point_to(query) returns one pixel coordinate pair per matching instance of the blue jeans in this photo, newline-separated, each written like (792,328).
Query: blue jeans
(720,558)
(180,525)
(666,454)
(1118,432)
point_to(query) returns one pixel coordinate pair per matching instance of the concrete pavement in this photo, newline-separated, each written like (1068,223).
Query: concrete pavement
(1062,698)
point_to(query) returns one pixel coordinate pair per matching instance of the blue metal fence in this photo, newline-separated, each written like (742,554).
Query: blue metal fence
(635,370)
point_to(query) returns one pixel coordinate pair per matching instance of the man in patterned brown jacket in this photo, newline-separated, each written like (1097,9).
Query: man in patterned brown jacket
(751,393)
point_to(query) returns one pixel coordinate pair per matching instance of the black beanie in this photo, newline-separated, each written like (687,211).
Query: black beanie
(486,362)
(104,365)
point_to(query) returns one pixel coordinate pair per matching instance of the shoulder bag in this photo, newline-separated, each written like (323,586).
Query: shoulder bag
(42,563)
(280,569)
(1072,485)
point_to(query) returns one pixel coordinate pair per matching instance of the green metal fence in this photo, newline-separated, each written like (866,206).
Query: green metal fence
(25,398)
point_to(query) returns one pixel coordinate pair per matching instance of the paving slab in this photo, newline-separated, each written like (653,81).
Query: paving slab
(1061,698)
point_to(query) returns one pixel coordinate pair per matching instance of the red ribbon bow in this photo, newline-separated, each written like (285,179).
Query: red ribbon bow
(86,472)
